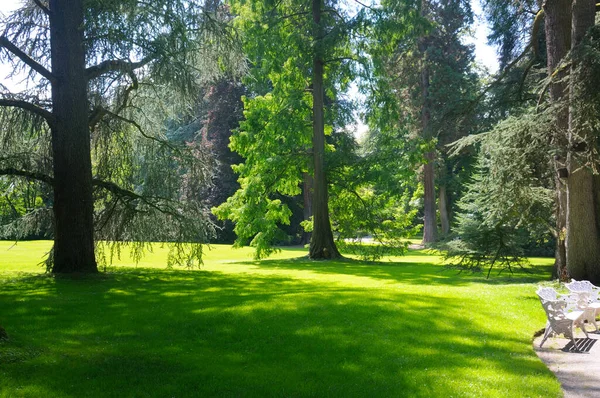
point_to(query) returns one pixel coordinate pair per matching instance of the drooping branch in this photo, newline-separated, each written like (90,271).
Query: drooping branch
(127,194)
(138,127)
(119,65)
(339,59)
(107,185)
(30,175)
(42,6)
(95,116)
(33,64)
(366,5)
(28,106)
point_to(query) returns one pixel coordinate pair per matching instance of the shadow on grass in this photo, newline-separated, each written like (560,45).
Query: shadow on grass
(181,333)
(417,273)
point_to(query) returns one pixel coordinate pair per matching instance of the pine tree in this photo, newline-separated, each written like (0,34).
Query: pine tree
(93,67)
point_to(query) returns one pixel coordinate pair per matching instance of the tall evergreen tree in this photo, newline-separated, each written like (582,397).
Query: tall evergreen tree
(431,67)
(567,24)
(90,63)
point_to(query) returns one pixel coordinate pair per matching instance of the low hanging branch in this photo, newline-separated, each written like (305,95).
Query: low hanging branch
(30,175)
(28,106)
(107,185)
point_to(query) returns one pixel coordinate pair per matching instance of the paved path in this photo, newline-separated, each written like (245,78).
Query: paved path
(578,373)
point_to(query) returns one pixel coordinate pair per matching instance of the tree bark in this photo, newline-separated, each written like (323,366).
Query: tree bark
(429,210)
(443,206)
(322,245)
(582,238)
(558,42)
(73,202)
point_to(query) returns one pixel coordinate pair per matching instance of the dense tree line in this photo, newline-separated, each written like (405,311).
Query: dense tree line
(140,114)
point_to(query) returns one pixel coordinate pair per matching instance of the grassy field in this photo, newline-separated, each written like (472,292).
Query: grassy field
(284,327)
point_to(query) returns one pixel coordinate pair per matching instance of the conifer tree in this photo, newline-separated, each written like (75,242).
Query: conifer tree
(95,70)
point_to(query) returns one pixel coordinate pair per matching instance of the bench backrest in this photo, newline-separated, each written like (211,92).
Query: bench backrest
(583,287)
(554,307)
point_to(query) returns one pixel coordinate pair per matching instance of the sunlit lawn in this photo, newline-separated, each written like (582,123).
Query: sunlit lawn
(285,327)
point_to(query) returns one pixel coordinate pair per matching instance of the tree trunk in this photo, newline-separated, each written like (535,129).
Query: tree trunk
(443,206)
(73,202)
(429,219)
(429,210)
(558,42)
(307,187)
(583,239)
(322,245)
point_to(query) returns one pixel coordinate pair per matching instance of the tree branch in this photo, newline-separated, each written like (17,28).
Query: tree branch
(125,193)
(339,59)
(138,127)
(33,64)
(28,106)
(42,6)
(365,5)
(119,65)
(107,185)
(30,175)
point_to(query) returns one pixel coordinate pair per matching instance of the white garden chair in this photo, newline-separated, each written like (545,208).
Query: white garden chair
(562,318)
(586,299)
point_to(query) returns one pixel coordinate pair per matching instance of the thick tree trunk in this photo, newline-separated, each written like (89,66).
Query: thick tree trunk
(443,206)
(429,219)
(429,208)
(583,238)
(558,43)
(322,245)
(559,270)
(73,203)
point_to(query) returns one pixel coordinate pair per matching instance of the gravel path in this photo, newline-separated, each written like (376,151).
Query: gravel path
(578,373)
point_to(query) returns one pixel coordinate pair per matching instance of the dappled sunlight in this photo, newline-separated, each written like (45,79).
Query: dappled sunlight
(257,328)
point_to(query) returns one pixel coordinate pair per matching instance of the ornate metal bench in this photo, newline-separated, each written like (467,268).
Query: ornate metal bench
(562,315)
(586,296)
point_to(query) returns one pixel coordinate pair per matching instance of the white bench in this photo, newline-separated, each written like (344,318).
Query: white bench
(561,314)
(586,298)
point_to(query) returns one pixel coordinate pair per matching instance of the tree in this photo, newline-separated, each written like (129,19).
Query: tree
(93,66)
(583,210)
(302,55)
(321,242)
(568,25)
(508,202)
(430,67)
(218,113)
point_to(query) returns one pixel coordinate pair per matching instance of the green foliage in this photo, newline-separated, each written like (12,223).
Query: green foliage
(585,103)
(509,202)
(147,62)
(409,39)
(275,139)
(367,251)
(510,26)
(364,201)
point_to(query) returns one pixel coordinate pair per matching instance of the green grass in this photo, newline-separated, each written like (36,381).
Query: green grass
(284,327)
